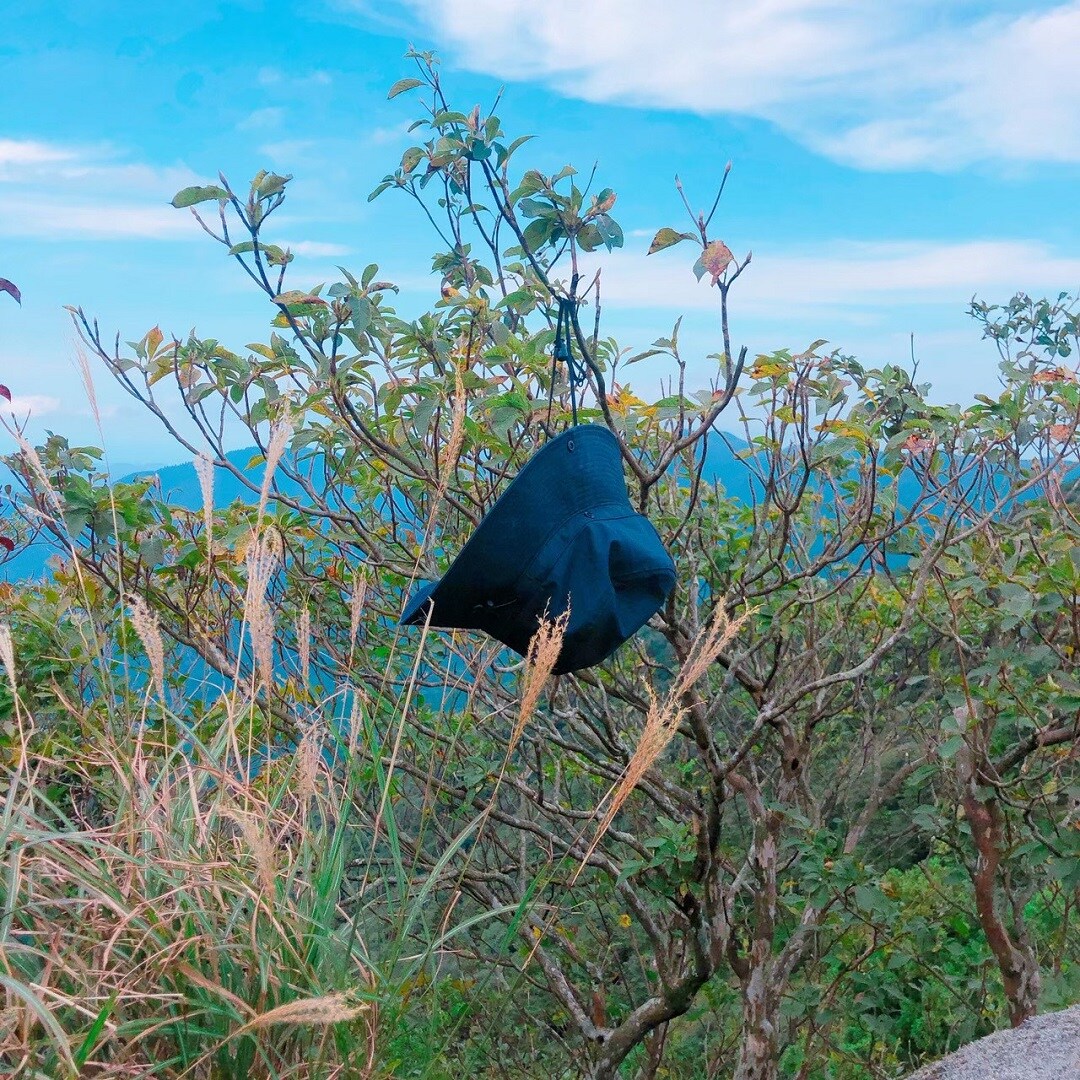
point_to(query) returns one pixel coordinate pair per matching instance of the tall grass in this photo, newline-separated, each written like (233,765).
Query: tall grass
(188,922)
(167,909)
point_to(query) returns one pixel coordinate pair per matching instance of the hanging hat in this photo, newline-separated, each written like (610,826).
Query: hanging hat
(562,535)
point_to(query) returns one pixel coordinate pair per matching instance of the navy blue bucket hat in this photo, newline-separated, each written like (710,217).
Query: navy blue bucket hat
(562,535)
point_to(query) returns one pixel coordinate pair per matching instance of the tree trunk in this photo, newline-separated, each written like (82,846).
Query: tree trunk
(759,1050)
(1015,957)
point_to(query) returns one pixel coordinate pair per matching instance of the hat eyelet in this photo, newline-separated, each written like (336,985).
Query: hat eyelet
(570,445)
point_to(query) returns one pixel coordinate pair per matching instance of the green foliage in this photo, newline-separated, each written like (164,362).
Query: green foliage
(867,797)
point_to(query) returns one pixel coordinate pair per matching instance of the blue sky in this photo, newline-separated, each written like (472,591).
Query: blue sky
(890,161)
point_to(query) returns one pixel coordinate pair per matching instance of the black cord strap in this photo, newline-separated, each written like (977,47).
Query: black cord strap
(564,352)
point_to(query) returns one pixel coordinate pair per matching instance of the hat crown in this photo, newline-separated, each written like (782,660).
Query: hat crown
(562,534)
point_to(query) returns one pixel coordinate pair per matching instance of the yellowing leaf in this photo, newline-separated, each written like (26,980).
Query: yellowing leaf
(666,238)
(766,368)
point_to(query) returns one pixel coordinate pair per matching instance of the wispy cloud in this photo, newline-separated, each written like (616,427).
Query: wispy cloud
(70,192)
(276,77)
(36,405)
(50,218)
(847,275)
(387,136)
(289,150)
(926,84)
(262,119)
(315,249)
(18,155)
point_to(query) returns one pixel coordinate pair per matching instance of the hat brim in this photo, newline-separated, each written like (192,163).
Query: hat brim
(415,609)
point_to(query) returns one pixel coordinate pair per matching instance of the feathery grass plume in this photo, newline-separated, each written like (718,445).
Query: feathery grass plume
(262,849)
(279,439)
(146,626)
(38,469)
(328,1009)
(86,376)
(261,562)
(543,654)
(303,646)
(457,430)
(7,658)
(307,765)
(204,469)
(665,715)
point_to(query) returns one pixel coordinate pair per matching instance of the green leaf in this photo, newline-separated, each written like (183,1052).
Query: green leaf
(411,158)
(666,238)
(89,1044)
(950,747)
(401,86)
(589,237)
(610,231)
(190,196)
(531,208)
(271,184)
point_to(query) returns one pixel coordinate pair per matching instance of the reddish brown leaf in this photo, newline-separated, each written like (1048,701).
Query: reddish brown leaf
(5,392)
(11,289)
(7,543)
(715,259)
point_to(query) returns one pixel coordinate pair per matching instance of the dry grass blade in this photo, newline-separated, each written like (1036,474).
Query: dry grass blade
(30,455)
(82,362)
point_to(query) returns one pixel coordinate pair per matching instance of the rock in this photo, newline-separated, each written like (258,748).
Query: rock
(1046,1047)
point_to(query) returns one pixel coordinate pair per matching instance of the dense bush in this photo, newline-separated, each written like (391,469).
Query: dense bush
(816,820)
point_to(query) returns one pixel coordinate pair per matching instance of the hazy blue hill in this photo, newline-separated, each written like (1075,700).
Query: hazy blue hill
(180,486)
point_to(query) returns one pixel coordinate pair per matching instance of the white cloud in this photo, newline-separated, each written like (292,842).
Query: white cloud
(862,277)
(55,191)
(315,249)
(51,218)
(17,155)
(36,405)
(387,136)
(929,83)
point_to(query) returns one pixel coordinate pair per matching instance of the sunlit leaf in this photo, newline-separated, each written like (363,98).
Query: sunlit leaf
(666,238)
(191,196)
(402,85)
